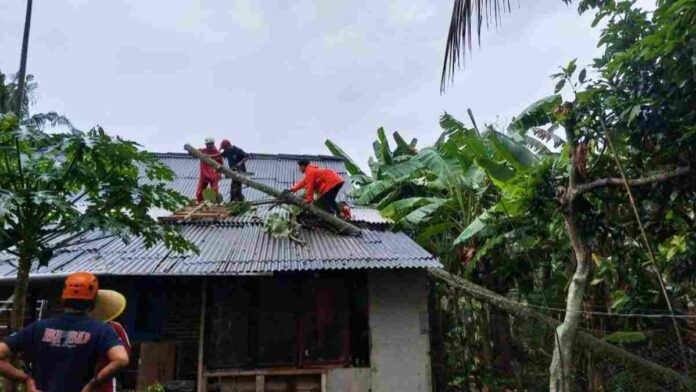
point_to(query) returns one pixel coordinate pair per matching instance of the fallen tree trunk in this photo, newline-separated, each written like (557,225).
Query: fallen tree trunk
(341,225)
(599,347)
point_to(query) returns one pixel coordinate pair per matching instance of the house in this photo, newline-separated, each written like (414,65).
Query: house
(256,313)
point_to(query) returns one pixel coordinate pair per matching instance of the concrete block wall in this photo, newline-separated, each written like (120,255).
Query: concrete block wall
(400,346)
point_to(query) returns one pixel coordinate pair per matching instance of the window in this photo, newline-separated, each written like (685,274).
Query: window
(229,342)
(324,322)
(277,322)
(144,313)
(287,320)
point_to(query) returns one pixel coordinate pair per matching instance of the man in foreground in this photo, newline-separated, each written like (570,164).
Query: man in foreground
(63,350)
(208,175)
(236,158)
(325,181)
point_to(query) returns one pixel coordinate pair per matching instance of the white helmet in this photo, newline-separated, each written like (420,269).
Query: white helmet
(209,140)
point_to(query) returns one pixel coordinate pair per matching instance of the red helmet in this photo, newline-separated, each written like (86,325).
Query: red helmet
(81,285)
(225,144)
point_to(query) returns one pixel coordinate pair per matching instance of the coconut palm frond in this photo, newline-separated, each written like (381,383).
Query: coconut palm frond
(460,34)
(50,119)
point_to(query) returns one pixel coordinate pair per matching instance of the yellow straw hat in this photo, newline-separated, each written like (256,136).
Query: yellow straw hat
(108,305)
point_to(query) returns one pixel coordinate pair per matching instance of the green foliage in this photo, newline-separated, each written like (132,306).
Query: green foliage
(622,337)
(56,187)
(352,167)
(240,207)
(211,196)
(156,387)
(115,182)
(285,223)
(278,226)
(537,114)
(490,206)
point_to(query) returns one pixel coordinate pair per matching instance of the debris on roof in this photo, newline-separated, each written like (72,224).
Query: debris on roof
(202,212)
(240,244)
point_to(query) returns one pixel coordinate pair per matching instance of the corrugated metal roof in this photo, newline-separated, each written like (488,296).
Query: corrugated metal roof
(239,245)
(278,171)
(230,249)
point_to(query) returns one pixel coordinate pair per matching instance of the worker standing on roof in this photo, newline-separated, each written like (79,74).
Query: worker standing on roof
(108,306)
(236,159)
(63,350)
(325,181)
(208,175)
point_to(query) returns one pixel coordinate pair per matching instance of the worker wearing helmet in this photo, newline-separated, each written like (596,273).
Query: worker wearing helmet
(63,350)
(108,306)
(236,159)
(208,175)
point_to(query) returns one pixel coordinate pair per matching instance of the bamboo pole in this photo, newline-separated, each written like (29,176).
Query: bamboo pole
(343,226)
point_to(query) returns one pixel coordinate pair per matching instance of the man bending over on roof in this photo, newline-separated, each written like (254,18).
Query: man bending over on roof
(208,175)
(63,350)
(325,181)
(236,157)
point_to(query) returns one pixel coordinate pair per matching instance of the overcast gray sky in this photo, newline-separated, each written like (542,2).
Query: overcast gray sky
(281,76)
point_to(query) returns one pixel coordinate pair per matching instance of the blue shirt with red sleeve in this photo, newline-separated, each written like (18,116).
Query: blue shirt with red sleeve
(63,350)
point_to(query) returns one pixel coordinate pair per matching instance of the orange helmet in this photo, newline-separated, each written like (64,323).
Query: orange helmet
(81,285)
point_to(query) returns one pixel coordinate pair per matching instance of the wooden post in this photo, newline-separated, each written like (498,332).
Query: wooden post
(260,383)
(202,387)
(340,224)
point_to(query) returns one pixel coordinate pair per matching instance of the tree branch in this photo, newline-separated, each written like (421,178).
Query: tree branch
(67,243)
(664,176)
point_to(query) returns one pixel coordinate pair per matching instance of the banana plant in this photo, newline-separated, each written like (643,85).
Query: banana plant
(441,191)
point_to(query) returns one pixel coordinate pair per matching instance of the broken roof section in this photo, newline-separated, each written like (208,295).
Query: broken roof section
(239,245)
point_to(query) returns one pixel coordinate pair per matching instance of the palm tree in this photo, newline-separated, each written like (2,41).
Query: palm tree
(460,34)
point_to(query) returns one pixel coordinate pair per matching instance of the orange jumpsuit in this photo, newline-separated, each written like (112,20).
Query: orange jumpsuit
(208,175)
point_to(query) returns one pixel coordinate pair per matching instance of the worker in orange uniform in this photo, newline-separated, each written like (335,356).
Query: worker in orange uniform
(63,350)
(107,307)
(208,175)
(325,181)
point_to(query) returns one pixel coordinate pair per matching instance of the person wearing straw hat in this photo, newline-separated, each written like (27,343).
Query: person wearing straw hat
(108,305)
(63,350)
